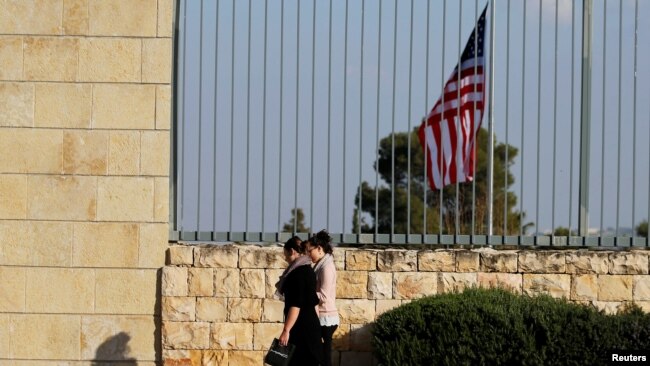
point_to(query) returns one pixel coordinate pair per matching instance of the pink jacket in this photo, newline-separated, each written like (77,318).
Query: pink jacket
(326,291)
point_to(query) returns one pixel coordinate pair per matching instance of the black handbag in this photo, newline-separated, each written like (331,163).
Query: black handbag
(279,355)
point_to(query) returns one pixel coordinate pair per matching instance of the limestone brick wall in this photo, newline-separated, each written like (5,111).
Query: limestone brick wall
(85,91)
(218,306)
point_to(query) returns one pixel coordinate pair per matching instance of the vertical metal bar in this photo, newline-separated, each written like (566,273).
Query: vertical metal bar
(266,26)
(636,35)
(618,165)
(345,114)
(459,141)
(363,11)
(425,187)
(442,105)
(408,133)
(329,114)
(554,124)
(232,116)
(573,19)
(523,100)
(376,223)
(539,112)
(248,118)
(491,122)
(198,183)
(281,114)
(585,123)
(295,178)
(214,111)
(474,131)
(602,161)
(392,191)
(505,169)
(313,73)
(181,120)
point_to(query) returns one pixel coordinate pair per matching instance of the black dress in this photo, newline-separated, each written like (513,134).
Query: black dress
(300,291)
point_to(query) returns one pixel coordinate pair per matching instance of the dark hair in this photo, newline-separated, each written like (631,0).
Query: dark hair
(294,243)
(322,239)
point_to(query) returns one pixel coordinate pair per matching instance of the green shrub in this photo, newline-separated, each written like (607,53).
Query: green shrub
(497,327)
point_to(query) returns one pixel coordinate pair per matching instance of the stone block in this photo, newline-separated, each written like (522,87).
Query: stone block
(272,277)
(615,287)
(587,262)
(110,60)
(125,199)
(165,17)
(15,250)
(174,281)
(243,310)
(261,257)
(13,201)
(467,261)
(542,262)
(51,58)
(352,284)
(437,260)
(214,358)
(413,285)
(31,151)
(179,308)
(246,358)
(392,260)
(361,337)
(75,17)
(200,281)
(211,309)
(124,153)
(126,291)
(380,285)
(383,306)
(11,58)
(356,358)
(216,256)
(361,260)
(456,282)
(131,18)
(252,284)
(62,105)
(111,333)
(12,288)
(180,255)
(631,263)
(4,336)
(641,289)
(85,152)
(339,259)
(584,287)
(154,158)
(154,241)
(163,107)
(609,307)
(122,106)
(232,336)
(554,285)
(30,17)
(341,338)
(53,337)
(60,290)
(161,200)
(498,260)
(16,103)
(226,282)
(62,197)
(186,335)
(509,281)
(357,311)
(272,311)
(156,60)
(49,243)
(105,245)
(263,334)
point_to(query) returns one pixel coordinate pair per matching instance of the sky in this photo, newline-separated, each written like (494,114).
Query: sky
(285,89)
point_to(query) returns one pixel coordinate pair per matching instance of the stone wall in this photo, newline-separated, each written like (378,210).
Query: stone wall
(219,309)
(85,105)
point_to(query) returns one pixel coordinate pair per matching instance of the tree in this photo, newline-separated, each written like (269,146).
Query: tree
(298,217)
(504,201)
(642,229)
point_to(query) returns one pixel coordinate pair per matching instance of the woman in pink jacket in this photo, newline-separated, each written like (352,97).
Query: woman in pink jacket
(319,249)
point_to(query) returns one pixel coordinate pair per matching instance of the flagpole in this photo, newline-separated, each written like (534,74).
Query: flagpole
(490,125)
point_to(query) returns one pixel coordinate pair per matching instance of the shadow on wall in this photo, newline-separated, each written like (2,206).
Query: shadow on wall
(115,348)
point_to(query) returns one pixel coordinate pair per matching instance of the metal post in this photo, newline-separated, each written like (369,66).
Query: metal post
(491,124)
(583,218)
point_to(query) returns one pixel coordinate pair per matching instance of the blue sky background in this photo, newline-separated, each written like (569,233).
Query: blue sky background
(399,80)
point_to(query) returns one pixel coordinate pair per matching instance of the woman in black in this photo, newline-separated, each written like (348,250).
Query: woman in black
(301,326)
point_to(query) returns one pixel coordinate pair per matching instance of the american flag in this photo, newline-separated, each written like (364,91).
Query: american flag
(447,162)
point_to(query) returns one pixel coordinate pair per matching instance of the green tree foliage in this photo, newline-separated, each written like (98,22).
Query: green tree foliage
(504,203)
(298,217)
(642,229)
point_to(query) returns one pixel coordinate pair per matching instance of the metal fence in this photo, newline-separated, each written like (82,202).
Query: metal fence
(295,116)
